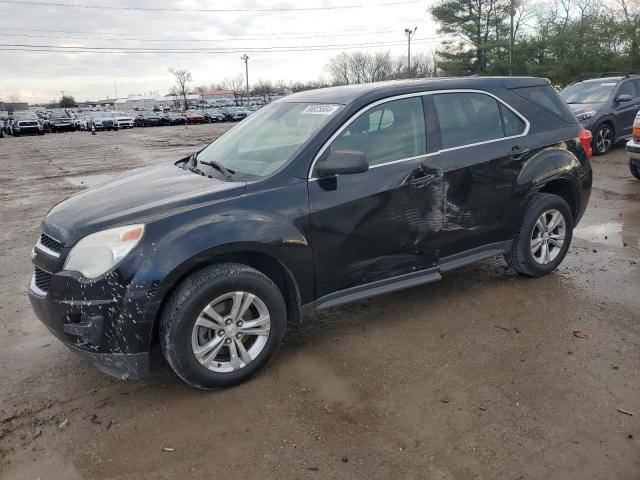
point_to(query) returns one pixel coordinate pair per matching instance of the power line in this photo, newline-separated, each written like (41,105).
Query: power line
(204,10)
(196,40)
(306,48)
(363,30)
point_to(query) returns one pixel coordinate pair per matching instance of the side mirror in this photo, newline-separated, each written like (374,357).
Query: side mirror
(624,98)
(342,162)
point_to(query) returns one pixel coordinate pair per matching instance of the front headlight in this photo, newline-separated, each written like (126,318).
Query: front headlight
(586,115)
(97,253)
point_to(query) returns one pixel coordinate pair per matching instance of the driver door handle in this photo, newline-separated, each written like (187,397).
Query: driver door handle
(517,152)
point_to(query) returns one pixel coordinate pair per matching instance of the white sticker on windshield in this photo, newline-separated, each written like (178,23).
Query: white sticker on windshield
(318,109)
(607,84)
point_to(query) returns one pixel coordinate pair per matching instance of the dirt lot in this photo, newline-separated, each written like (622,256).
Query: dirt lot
(478,376)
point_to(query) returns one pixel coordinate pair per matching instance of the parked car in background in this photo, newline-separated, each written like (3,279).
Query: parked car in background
(606,106)
(194,117)
(172,118)
(25,123)
(123,120)
(214,116)
(633,148)
(327,197)
(102,121)
(235,114)
(148,120)
(59,123)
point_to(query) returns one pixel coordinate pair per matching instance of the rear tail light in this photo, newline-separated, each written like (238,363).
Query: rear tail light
(636,133)
(585,139)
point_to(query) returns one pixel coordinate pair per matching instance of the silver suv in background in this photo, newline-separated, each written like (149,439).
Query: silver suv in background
(633,148)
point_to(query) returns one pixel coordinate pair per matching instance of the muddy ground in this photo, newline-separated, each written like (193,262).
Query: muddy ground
(477,377)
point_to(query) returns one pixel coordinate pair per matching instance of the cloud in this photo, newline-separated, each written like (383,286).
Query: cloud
(42,75)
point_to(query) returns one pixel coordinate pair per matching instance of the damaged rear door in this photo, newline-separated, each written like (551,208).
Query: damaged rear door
(380,223)
(482,150)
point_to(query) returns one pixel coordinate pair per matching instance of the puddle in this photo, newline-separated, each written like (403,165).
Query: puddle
(609,233)
(89,181)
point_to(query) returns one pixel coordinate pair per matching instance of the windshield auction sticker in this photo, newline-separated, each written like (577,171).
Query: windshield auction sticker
(319,109)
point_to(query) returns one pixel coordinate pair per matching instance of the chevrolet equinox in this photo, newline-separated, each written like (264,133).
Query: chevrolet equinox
(318,199)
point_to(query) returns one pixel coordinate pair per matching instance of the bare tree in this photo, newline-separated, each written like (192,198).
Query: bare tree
(183,77)
(263,88)
(236,83)
(200,90)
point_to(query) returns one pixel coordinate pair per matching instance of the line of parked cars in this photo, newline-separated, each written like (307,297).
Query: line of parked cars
(65,121)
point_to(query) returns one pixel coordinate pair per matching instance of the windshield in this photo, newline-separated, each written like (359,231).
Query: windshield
(269,138)
(588,92)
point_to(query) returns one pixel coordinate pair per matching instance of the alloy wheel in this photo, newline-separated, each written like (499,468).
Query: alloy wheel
(547,237)
(604,139)
(230,332)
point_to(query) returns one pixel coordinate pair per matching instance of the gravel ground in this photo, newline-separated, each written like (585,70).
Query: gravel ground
(478,376)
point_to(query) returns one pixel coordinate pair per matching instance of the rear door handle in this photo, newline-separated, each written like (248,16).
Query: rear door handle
(517,152)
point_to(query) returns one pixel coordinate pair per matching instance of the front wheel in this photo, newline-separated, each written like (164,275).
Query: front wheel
(635,170)
(543,237)
(222,325)
(603,139)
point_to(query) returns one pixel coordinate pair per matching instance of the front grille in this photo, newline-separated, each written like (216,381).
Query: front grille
(50,243)
(28,124)
(42,279)
(107,123)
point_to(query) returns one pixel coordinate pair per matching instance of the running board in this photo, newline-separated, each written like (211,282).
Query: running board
(407,280)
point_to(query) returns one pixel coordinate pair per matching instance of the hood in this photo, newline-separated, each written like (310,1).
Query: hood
(579,108)
(137,197)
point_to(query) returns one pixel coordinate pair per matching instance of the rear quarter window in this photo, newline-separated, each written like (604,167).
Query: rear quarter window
(547,99)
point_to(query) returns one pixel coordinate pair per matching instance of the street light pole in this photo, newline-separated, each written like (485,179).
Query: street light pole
(409,33)
(245,57)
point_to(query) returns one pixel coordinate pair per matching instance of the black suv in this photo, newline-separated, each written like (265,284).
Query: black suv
(321,198)
(606,106)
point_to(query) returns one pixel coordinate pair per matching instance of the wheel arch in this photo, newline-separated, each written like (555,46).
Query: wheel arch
(265,263)
(565,189)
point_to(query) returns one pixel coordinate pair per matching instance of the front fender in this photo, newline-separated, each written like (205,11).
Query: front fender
(173,252)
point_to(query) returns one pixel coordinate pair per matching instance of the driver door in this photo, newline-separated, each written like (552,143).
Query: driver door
(383,222)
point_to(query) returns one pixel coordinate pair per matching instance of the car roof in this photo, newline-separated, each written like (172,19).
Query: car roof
(350,93)
(602,79)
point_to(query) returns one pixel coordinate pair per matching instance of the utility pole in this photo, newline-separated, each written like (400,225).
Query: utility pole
(245,57)
(409,33)
(512,14)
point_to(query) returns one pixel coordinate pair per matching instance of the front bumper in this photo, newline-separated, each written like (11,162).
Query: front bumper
(103,321)
(633,149)
(26,130)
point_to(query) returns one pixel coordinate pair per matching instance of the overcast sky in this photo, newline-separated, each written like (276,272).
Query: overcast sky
(39,76)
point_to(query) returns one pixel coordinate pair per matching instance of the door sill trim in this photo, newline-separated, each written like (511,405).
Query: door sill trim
(406,280)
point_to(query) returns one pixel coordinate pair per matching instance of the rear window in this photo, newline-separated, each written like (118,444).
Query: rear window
(547,99)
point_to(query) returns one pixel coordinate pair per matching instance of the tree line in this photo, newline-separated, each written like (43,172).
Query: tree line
(556,39)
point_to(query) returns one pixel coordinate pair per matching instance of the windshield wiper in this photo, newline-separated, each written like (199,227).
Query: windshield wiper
(227,172)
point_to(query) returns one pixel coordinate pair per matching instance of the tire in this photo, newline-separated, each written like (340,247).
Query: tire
(635,171)
(522,258)
(603,139)
(180,337)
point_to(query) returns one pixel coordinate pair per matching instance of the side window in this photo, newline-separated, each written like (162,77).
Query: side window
(467,118)
(637,82)
(548,99)
(627,88)
(392,131)
(513,124)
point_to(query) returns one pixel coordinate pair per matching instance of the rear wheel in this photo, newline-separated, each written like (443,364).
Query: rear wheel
(635,170)
(543,237)
(603,139)
(222,325)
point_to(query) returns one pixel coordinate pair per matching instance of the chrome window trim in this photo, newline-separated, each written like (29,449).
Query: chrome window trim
(420,94)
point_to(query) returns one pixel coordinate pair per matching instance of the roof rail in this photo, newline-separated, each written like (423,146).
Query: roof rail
(589,76)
